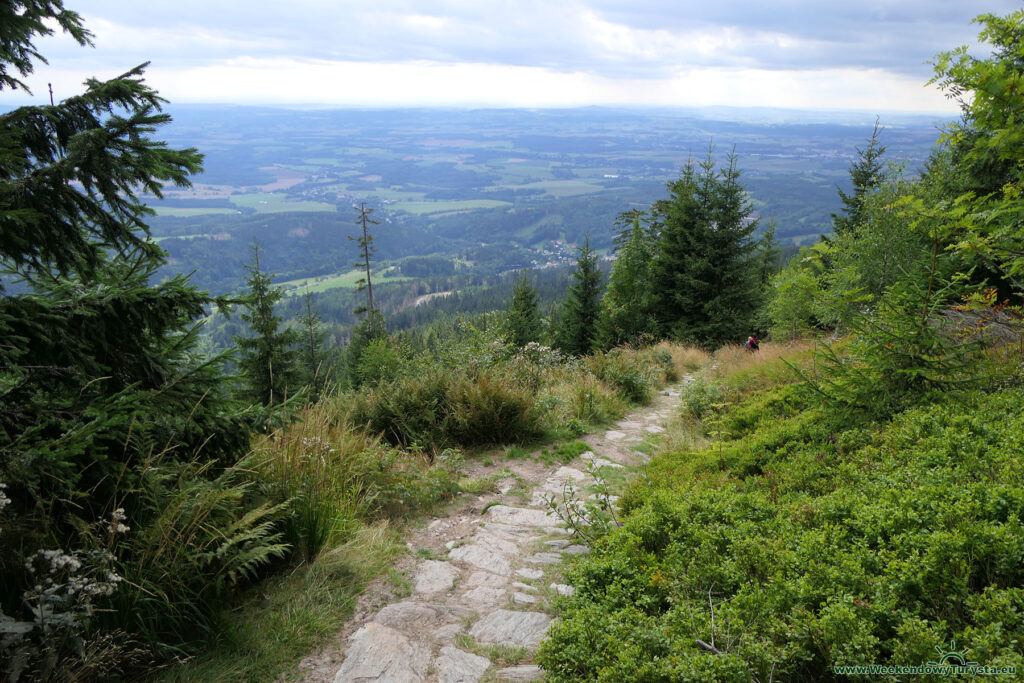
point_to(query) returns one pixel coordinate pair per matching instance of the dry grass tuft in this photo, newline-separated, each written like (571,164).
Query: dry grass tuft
(685,358)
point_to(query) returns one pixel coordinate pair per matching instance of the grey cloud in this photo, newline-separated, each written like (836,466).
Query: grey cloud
(892,35)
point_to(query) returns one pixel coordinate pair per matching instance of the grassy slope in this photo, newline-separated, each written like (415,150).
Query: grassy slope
(799,538)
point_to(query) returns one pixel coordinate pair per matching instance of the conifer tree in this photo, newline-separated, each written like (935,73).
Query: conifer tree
(626,308)
(100,366)
(268,359)
(521,315)
(767,256)
(577,332)
(704,276)
(313,335)
(372,327)
(866,174)
(366,248)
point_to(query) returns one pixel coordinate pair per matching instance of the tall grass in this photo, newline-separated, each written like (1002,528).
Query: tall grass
(510,397)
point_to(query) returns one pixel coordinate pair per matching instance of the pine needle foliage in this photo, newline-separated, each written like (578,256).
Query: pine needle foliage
(522,317)
(704,274)
(865,174)
(627,315)
(101,372)
(577,324)
(269,358)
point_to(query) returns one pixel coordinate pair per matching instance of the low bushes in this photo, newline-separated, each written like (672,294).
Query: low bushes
(495,395)
(803,540)
(440,409)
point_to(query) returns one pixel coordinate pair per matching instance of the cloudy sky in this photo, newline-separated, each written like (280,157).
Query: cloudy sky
(812,54)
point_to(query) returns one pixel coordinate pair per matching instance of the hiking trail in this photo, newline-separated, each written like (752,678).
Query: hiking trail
(482,577)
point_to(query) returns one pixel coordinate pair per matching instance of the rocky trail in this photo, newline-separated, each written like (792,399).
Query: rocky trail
(482,579)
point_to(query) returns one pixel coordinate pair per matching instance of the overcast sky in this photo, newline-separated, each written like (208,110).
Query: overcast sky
(824,54)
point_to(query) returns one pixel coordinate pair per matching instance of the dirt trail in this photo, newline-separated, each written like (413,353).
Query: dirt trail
(482,577)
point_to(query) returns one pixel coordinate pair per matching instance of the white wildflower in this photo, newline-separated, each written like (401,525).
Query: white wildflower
(117,517)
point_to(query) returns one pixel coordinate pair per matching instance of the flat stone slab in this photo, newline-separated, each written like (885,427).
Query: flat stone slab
(515,629)
(456,666)
(483,597)
(486,579)
(567,473)
(521,598)
(506,514)
(482,558)
(447,633)
(614,435)
(529,573)
(563,589)
(544,558)
(524,672)
(576,549)
(433,576)
(597,461)
(379,653)
(408,612)
(655,429)
(509,531)
(496,542)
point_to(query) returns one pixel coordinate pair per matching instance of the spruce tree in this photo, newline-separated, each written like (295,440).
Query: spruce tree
(704,276)
(865,174)
(577,332)
(314,368)
(101,374)
(373,326)
(268,359)
(522,318)
(366,249)
(626,308)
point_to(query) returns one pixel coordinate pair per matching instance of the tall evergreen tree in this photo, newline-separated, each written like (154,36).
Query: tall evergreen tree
(767,255)
(577,331)
(865,174)
(626,308)
(704,276)
(521,315)
(268,359)
(366,249)
(311,330)
(101,373)
(373,326)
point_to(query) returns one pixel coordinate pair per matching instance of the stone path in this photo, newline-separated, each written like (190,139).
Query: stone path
(483,578)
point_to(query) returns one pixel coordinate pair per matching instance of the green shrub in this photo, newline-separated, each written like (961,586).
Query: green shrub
(632,376)
(442,408)
(207,538)
(802,542)
(700,397)
(407,410)
(486,410)
(379,361)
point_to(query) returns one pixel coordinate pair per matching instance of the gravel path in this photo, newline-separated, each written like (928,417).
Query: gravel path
(482,578)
